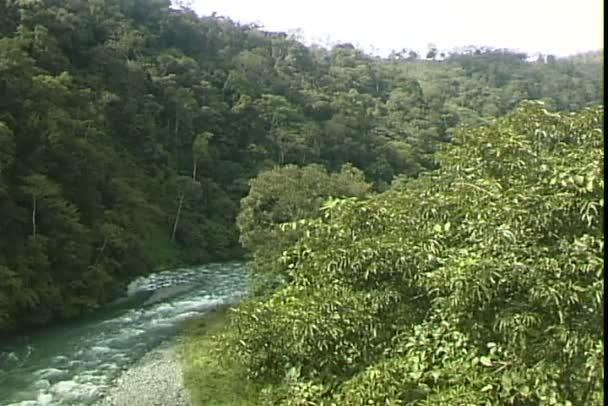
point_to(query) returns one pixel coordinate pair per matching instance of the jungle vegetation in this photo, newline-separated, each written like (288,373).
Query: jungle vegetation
(478,283)
(130,132)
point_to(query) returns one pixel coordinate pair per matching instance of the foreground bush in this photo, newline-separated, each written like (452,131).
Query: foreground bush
(481,283)
(209,379)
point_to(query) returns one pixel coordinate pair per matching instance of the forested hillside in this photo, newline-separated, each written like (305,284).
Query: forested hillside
(129,132)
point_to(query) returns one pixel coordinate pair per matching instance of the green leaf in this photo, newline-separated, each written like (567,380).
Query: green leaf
(485,361)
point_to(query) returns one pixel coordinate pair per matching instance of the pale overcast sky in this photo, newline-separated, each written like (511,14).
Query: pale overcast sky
(558,27)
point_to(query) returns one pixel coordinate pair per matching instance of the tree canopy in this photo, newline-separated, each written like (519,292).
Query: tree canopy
(129,132)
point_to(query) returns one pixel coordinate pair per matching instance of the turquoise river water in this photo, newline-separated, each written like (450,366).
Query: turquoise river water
(75,364)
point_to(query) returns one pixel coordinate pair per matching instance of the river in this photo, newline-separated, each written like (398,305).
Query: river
(75,364)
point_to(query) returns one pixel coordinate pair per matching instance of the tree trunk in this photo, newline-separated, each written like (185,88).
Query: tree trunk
(34,216)
(179,211)
(175,134)
(194,167)
(101,250)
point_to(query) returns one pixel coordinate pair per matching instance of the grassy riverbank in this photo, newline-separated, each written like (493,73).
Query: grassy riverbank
(209,379)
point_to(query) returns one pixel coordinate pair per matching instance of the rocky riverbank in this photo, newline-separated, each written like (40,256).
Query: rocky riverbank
(155,380)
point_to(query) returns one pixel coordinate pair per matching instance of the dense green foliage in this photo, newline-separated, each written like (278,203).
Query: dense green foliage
(129,131)
(478,283)
(283,195)
(209,378)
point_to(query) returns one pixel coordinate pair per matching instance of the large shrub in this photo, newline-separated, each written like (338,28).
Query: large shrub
(481,282)
(286,194)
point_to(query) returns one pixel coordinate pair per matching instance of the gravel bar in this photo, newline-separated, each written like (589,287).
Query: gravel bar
(155,380)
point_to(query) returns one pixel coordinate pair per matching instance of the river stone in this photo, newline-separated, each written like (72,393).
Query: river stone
(74,392)
(42,384)
(155,380)
(51,373)
(44,399)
